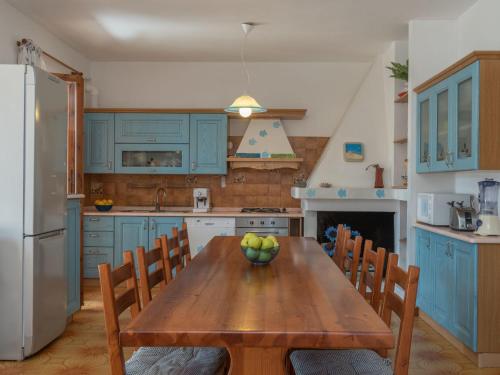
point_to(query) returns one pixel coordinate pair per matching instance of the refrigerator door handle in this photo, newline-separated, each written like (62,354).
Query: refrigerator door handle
(51,234)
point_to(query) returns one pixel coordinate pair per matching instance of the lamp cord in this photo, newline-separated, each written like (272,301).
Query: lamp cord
(244,64)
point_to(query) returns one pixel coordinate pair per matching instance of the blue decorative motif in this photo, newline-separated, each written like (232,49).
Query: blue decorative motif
(380,193)
(252,141)
(276,124)
(342,193)
(263,133)
(265,155)
(311,193)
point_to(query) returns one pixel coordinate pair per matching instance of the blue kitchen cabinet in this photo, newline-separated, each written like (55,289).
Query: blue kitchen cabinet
(130,232)
(159,226)
(152,158)
(208,144)
(425,260)
(98,243)
(464,257)
(448,123)
(151,128)
(448,284)
(99,142)
(73,256)
(443,281)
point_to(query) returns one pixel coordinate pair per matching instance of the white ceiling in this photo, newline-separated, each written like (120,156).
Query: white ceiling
(209,30)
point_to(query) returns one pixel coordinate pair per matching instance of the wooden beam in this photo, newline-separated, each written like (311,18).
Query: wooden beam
(277,113)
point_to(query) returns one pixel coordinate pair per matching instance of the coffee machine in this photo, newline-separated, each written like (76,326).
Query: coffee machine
(488,223)
(201,200)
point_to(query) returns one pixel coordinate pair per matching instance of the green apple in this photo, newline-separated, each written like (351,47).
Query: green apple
(249,235)
(272,238)
(244,242)
(251,253)
(264,256)
(255,242)
(267,244)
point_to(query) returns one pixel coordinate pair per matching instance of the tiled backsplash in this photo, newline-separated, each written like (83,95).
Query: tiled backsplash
(243,187)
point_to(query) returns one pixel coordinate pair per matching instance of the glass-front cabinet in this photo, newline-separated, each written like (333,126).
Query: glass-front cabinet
(149,158)
(448,123)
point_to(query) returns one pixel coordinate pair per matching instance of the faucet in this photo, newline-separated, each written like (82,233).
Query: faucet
(158,198)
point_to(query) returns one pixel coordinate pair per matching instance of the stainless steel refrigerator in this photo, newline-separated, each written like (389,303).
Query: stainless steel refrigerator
(33,120)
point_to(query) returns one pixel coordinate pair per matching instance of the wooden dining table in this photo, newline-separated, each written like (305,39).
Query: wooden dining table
(259,313)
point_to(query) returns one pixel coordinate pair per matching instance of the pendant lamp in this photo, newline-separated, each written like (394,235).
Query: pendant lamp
(245,105)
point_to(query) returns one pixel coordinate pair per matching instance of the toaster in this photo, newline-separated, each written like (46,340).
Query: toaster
(462,218)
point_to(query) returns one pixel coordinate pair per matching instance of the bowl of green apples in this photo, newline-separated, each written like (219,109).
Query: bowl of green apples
(259,250)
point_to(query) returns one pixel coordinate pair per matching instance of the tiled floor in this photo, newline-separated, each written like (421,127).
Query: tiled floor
(82,349)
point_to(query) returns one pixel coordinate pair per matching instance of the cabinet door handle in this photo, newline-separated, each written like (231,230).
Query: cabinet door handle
(153,224)
(145,224)
(151,140)
(428,161)
(452,159)
(193,165)
(94,219)
(92,235)
(110,164)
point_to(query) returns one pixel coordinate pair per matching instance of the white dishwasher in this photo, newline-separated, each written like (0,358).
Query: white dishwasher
(202,229)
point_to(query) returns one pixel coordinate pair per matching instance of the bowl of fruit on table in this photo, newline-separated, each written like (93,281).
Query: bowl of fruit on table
(259,250)
(103,205)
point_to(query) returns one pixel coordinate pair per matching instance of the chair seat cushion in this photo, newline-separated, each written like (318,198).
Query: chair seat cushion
(339,362)
(176,361)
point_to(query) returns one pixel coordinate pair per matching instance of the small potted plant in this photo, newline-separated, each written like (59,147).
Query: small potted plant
(400,71)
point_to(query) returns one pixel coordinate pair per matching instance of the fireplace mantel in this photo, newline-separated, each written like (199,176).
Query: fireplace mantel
(344,193)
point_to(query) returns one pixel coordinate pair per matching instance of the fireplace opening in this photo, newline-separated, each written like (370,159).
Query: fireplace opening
(375,226)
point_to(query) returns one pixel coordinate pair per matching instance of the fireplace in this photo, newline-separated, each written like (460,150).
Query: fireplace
(375,226)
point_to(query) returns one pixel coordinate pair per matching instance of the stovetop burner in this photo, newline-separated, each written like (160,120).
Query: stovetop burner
(266,210)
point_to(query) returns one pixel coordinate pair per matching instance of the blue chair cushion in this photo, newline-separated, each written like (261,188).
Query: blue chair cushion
(339,362)
(176,361)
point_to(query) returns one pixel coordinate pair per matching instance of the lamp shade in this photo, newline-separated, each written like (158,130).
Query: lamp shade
(245,105)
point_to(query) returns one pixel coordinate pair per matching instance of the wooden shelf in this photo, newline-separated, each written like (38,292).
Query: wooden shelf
(402,99)
(401,141)
(272,113)
(264,164)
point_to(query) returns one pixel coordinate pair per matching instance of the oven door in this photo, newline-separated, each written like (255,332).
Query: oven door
(263,231)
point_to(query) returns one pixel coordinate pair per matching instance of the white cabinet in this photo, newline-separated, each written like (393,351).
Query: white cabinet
(203,229)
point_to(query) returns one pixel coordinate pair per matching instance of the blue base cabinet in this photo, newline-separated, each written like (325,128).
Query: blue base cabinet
(130,232)
(448,284)
(73,256)
(98,243)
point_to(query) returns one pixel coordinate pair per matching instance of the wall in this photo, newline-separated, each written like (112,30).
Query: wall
(364,121)
(243,187)
(324,89)
(14,26)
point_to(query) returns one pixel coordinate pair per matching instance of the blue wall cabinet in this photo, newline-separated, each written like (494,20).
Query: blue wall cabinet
(151,159)
(448,284)
(159,226)
(99,142)
(151,128)
(130,232)
(448,136)
(208,144)
(73,256)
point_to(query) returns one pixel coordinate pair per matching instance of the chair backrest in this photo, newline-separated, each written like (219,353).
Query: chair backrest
(351,263)
(183,243)
(171,256)
(158,276)
(339,254)
(370,284)
(339,238)
(404,308)
(114,304)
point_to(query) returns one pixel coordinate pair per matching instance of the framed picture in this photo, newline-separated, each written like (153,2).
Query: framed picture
(354,152)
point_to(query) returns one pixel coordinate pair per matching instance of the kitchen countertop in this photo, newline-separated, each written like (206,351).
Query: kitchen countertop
(188,211)
(76,196)
(469,237)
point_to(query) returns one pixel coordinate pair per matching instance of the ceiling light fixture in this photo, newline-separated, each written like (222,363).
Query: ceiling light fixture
(245,105)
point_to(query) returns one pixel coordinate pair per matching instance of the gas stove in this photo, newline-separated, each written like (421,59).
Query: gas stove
(265,210)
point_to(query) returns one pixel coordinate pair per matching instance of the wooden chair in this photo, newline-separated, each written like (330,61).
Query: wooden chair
(158,276)
(368,362)
(171,360)
(339,254)
(182,243)
(370,284)
(351,263)
(339,238)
